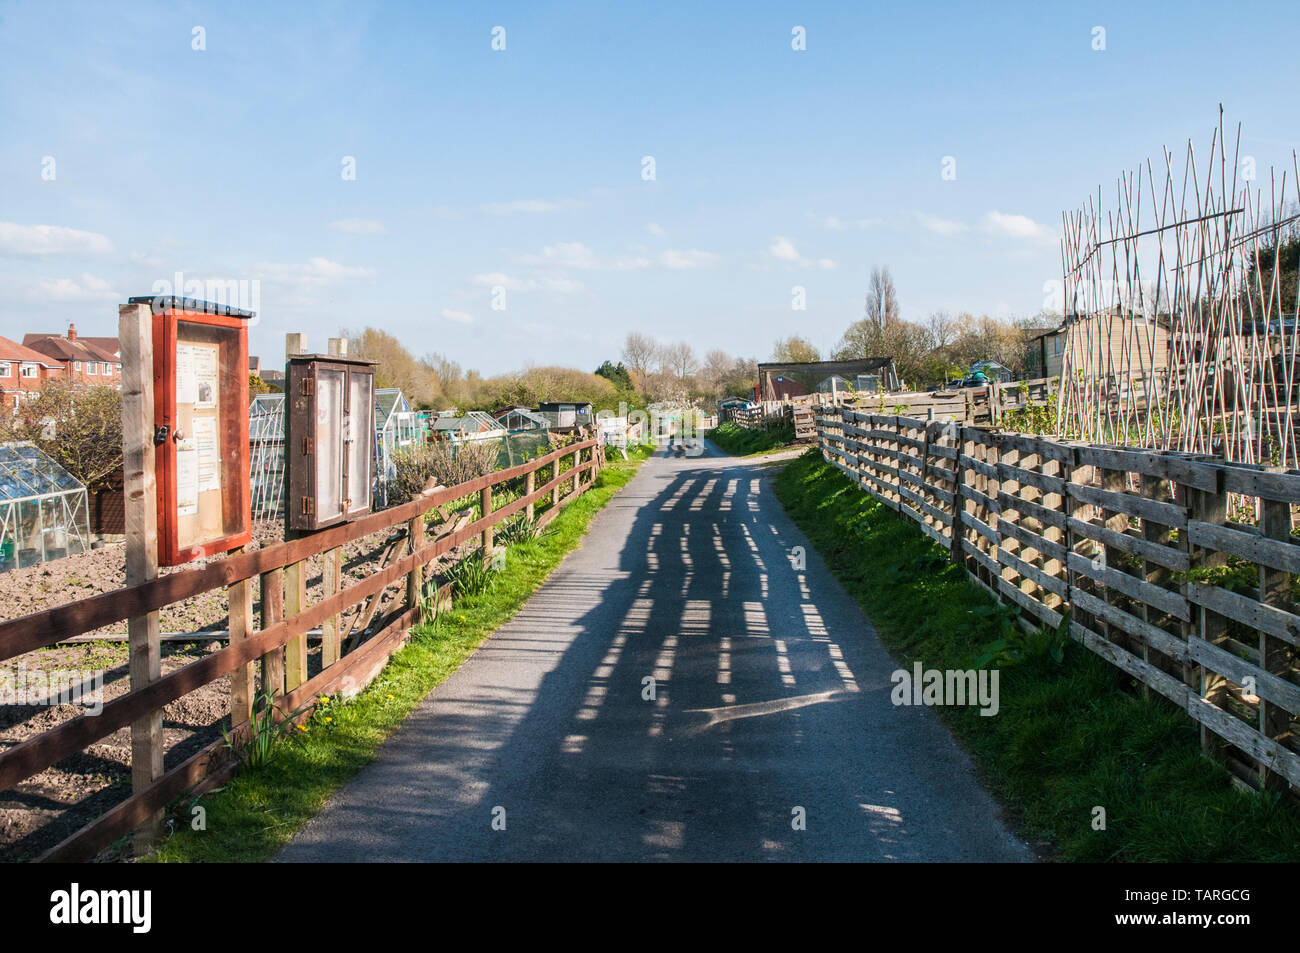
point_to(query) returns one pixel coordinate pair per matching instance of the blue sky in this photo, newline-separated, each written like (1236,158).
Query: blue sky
(521,169)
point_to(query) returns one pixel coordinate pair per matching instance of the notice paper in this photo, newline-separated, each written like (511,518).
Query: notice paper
(209,460)
(187,479)
(196,375)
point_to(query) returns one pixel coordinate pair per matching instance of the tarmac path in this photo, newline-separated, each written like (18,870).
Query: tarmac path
(771,705)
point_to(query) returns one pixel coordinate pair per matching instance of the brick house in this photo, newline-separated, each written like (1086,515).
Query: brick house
(87,360)
(23,372)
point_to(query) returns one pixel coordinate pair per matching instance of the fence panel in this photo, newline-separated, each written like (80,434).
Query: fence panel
(1195,600)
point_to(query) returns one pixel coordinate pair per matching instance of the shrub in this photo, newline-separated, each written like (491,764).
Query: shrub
(441,462)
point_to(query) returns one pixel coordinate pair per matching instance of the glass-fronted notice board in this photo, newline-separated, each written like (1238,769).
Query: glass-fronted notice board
(201,437)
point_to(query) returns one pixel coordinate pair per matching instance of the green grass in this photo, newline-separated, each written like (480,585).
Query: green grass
(740,442)
(1070,735)
(256,814)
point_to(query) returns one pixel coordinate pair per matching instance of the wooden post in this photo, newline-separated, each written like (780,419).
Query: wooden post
(415,578)
(555,475)
(240,596)
(1054,501)
(295,582)
(1208,624)
(1275,656)
(272,583)
(331,560)
(295,600)
(530,484)
(1153,488)
(485,505)
(959,496)
(577,454)
(331,580)
(1115,481)
(135,332)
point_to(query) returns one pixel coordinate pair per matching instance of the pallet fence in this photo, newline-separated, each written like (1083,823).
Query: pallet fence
(1159,577)
(277,649)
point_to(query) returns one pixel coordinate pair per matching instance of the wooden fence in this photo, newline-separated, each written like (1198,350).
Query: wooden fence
(975,405)
(773,414)
(1159,576)
(279,644)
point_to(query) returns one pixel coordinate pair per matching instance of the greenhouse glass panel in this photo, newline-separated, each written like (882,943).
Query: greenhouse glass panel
(44,509)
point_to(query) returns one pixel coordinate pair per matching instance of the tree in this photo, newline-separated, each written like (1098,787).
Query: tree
(904,341)
(396,367)
(640,354)
(679,361)
(882,302)
(79,426)
(616,374)
(794,350)
(717,365)
(257,386)
(740,381)
(940,329)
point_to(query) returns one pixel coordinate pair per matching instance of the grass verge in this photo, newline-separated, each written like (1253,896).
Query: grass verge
(1071,735)
(740,442)
(256,814)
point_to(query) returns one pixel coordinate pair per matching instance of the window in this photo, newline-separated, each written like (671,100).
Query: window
(4,368)
(90,367)
(106,369)
(1056,345)
(29,370)
(76,365)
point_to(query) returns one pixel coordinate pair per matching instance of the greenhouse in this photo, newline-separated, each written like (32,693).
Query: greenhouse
(44,510)
(266,450)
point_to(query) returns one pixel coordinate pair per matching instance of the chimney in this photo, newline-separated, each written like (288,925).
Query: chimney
(72,331)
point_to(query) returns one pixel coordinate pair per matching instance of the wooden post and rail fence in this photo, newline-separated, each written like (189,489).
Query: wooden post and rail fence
(1159,577)
(286,619)
(976,405)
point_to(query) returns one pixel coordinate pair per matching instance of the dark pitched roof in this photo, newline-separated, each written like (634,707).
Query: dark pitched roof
(63,349)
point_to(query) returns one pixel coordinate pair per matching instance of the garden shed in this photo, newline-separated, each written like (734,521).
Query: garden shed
(44,509)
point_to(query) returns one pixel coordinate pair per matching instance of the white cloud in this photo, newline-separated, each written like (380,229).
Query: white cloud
(941,226)
(460,317)
(50,240)
(498,279)
(315,271)
(782,249)
(359,226)
(655,230)
(579,256)
(293,285)
(1017,226)
(85,288)
(678,259)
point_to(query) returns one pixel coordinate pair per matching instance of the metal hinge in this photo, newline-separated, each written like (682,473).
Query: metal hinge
(306,506)
(306,446)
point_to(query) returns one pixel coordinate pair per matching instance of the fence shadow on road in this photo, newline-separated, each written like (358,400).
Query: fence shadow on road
(760,705)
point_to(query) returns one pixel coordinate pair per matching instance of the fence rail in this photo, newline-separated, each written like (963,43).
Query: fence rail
(1139,547)
(279,645)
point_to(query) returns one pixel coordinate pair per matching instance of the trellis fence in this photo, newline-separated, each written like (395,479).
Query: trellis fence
(1161,576)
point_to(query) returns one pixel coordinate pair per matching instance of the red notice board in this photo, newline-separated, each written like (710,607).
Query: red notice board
(200,376)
